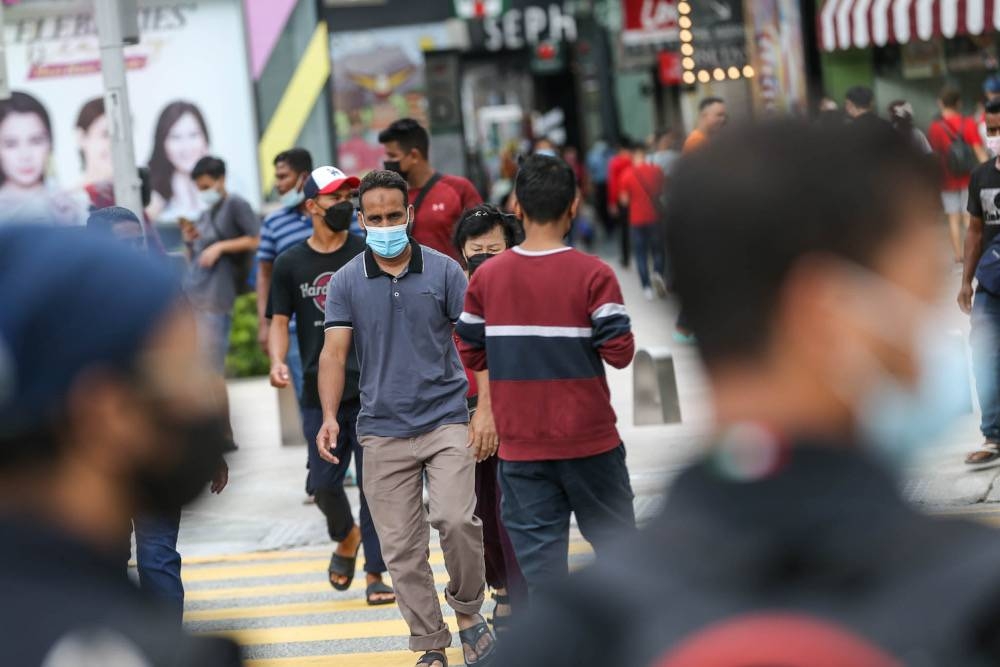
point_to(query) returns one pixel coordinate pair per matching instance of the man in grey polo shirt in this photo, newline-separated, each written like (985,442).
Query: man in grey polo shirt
(399,301)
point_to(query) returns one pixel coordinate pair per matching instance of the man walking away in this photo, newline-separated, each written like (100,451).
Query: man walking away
(299,288)
(788,541)
(984,212)
(542,318)
(286,227)
(956,141)
(642,188)
(438,199)
(105,414)
(398,302)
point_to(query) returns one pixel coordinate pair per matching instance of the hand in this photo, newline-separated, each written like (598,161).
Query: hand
(263,331)
(613,209)
(188,231)
(483,438)
(210,255)
(326,440)
(279,376)
(221,479)
(965,298)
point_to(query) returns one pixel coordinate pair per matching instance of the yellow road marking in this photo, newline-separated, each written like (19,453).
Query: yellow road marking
(256,555)
(322,633)
(290,609)
(386,659)
(270,590)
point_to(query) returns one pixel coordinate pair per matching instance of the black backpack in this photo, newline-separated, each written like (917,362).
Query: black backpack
(960,158)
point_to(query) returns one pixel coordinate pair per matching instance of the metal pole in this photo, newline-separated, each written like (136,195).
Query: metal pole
(116,106)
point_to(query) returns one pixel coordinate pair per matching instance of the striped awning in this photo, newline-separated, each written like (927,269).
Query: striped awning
(845,24)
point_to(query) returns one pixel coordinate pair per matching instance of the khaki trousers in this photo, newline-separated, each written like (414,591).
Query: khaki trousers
(393,474)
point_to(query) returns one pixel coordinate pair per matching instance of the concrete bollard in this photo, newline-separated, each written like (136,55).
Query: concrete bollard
(289,417)
(654,388)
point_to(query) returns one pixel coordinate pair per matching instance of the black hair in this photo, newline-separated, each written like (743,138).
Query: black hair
(860,96)
(409,134)
(209,166)
(24,103)
(382,178)
(545,188)
(161,170)
(480,220)
(821,190)
(993,106)
(709,101)
(298,159)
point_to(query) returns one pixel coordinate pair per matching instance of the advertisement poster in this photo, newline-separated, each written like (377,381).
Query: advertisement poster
(648,21)
(189,99)
(378,77)
(779,85)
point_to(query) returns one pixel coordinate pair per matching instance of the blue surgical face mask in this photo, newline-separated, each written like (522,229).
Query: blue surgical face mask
(388,242)
(899,421)
(209,197)
(292,198)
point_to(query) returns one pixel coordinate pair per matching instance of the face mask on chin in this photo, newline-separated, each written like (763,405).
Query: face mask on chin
(293,198)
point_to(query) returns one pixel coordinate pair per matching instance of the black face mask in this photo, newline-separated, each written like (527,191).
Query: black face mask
(165,487)
(475,261)
(396,166)
(338,217)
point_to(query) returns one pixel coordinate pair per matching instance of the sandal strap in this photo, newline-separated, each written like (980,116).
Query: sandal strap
(430,657)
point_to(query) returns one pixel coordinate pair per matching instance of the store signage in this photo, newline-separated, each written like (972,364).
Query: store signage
(649,21)
(669,68)
(518,28)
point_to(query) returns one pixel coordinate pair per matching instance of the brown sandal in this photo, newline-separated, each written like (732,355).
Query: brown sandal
(431,657)
(989,453)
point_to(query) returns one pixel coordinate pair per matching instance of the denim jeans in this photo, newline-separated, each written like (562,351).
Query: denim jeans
(158,562)
(539,496)
(647,240)
(326,481)
(213,336)
(986,360)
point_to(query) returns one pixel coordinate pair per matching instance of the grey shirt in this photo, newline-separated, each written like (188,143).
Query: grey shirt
(214,289)
(412,380)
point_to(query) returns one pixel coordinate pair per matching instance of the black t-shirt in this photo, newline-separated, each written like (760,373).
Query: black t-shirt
(298,286)
(984,199)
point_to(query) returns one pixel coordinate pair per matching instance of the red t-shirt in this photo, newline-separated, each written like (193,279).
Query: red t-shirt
(617,166)
(642,183)
(434,223)
(940,141)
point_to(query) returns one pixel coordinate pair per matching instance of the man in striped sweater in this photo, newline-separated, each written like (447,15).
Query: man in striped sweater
(542,317)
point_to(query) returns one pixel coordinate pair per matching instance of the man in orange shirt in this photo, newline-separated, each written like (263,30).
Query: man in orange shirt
(711,118)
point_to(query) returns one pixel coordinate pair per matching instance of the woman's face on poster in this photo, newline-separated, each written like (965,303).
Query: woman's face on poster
(95,144)
(25,147)
(185,143)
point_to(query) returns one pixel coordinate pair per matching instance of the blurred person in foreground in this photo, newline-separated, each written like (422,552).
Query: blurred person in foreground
(789,541)
(111,422)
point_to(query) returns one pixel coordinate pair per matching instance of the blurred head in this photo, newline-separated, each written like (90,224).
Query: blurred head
(94,140)
(327,191)
(545,146)
(546,193)
(992,118)
(291,168)
(117,419)
(828,104)
(950,99)
(665,139)
(117,222)
(991,87)
(858,101)
(180,140)
(901,116)
(209,176)
(406,145)
(25,141)
(711,115)
(815,276)
(481,232)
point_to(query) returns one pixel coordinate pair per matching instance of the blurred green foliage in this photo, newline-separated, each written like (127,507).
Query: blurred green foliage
(245,358)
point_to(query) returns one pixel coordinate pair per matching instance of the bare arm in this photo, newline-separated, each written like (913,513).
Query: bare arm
(483,438)
(264,270)
(332,376)
(238,245)
(973,253)
(278,351)
(981,153)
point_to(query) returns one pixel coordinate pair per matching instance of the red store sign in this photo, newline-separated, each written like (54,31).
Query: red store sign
(649,21)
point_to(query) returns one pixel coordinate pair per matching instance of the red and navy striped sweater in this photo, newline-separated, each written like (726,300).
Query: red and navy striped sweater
(542,323)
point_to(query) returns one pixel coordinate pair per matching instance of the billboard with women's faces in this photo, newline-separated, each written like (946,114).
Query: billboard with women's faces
(190,96)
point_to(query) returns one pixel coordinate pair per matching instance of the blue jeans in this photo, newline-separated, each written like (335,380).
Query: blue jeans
(538,497)
(213,336)
(986,360)
(326,481)
(158,562)
(294,361)
(647,240)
